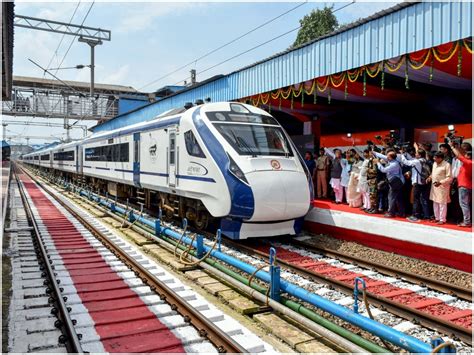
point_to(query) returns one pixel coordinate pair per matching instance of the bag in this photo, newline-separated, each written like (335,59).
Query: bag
(425,172)
(396,183)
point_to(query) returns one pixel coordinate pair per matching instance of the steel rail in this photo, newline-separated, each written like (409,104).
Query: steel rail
(438,285)
(72,339)
(412,314)
(215,335)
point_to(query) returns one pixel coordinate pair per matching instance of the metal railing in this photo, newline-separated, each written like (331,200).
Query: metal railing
(60,104)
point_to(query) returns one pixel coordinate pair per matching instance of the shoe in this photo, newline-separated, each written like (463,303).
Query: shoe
(434,221)
(440,222)
(362,208)
(464,225)
(401,216)
(371,211)
(380,210)
(338,202)
(413,219)
(388,215)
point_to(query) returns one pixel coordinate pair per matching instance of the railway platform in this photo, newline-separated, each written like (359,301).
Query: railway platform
(109,267)
(445,245)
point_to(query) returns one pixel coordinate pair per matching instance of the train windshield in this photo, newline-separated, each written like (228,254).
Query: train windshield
(253,139)
(241,117)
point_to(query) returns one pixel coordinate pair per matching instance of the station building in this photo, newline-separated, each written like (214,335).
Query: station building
(406,69)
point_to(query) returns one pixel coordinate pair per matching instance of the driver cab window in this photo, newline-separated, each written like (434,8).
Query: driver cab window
(192,146)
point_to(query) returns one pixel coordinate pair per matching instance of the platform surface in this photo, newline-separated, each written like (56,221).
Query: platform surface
(446,244)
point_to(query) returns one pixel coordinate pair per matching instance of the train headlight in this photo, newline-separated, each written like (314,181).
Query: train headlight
(235,170)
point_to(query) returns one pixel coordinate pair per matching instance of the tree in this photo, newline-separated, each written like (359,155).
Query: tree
(316,24)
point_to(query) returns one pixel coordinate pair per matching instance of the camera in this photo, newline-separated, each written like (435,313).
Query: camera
(392,140)
(372,147)
(452,137)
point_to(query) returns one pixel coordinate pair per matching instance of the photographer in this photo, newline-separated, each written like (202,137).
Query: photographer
(396,181)
(464,184)
(421,190)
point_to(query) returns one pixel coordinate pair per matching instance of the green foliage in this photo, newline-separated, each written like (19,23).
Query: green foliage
(316,24)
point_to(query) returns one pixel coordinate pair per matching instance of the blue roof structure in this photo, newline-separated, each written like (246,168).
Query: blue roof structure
(402,29)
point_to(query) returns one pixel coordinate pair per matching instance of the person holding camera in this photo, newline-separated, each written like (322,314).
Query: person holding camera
(440,187)
(396,180)
(336,172)
(464,177)
(421,189)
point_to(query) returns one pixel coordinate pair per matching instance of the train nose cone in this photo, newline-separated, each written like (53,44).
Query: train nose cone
(279,195)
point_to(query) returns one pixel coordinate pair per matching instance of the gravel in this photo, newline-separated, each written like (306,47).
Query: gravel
(416,266)
(333,295)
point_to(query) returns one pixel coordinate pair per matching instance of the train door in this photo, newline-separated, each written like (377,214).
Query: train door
(136,159)
(79,151)
(172,158)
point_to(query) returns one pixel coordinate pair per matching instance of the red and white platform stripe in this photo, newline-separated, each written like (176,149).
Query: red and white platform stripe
(444,245)
(115,311)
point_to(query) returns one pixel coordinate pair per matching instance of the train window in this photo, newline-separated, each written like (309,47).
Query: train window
(64,156)
(241,117)
(115,152)
(192,145)
(172,148)
(45,157)
(255,139)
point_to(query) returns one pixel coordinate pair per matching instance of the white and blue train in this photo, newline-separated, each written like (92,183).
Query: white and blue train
(227,161)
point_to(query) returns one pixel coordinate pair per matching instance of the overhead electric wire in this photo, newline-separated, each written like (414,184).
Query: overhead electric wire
(72,41)
(257,46)
(55,53)
(225,44)
(62,38)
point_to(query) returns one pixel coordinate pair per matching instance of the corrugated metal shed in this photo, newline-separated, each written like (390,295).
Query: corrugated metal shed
(404,28)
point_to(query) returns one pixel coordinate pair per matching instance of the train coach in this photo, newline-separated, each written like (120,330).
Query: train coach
(226,162)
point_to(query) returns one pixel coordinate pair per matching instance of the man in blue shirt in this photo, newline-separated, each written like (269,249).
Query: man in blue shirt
(421,189)
(396,181)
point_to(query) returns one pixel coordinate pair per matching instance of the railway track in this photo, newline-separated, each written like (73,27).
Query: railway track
(378,291)
(70,243)
(404,311)
(432,283)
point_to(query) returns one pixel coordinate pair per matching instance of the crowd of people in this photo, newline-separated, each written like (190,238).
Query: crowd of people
(399,182)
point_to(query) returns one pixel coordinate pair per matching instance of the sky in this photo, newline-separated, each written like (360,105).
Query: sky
(152,39)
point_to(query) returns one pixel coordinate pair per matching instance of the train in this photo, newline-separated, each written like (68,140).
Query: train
(6,151)
(225,162)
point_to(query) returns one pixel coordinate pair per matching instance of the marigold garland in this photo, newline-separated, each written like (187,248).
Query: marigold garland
(416,61)
(353,76)
(443,57)
(325,84)
(313,86)
(407,83)
(337,79)
(393,67)
(300,90)
(263,100)
(468,45)
(373,72)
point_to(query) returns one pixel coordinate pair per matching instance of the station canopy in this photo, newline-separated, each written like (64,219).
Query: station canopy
(413,78)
